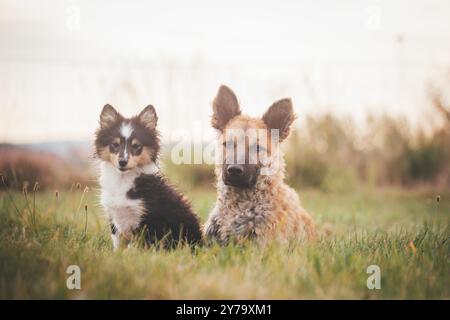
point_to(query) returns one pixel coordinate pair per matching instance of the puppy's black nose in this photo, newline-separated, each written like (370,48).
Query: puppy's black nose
(235,170)
(123,163)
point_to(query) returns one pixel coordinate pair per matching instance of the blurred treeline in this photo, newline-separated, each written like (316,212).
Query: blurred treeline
(332,157)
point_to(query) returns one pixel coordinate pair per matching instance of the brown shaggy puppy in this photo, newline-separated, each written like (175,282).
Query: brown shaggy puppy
(253,201)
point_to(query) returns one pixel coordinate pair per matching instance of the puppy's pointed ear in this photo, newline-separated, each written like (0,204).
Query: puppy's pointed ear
(225,108)
(280,116)
(108,117)
(148,117)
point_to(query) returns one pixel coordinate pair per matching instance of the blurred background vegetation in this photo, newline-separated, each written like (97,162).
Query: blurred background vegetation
(330,154)
(326,152)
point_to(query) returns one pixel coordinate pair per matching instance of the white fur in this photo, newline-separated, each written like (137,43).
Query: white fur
(126,130)
(125,153)
(151,168)
(125,213)
(116,241)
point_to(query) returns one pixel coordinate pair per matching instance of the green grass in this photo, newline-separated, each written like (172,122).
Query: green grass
(406,233)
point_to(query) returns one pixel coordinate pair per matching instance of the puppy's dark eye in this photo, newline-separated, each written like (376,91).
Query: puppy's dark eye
(136,146)
(114,145)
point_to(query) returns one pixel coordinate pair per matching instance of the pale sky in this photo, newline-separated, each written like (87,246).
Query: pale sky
(61,61)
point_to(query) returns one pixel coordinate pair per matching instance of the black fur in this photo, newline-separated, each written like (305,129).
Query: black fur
(169,216)
(113,228)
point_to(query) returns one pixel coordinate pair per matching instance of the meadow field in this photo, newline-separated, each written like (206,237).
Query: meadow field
(383,202)
(405,232)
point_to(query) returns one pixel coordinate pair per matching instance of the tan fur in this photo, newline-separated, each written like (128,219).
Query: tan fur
(141,160)
(270,210)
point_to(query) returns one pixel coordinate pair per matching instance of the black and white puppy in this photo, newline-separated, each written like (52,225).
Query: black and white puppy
(136,197)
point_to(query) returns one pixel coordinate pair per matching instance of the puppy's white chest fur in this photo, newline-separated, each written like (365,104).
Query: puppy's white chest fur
(125,213)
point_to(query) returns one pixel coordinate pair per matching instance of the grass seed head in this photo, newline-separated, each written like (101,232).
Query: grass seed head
(25,186)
